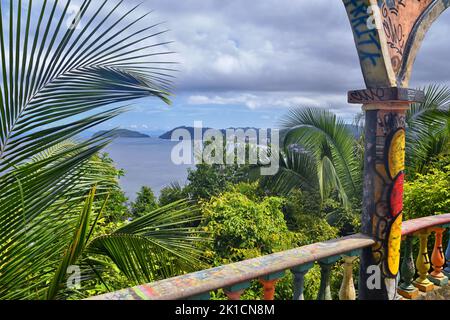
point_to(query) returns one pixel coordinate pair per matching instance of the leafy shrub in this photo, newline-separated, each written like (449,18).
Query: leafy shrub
(243,229)
(207,181)
(312,229)
(428,194)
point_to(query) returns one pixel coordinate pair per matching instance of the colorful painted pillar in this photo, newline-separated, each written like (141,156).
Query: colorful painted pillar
(387,34)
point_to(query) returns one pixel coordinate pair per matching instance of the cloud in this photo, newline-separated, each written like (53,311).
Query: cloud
(234,51)
(306,47)
(281,101)
(254,101)
(266,55)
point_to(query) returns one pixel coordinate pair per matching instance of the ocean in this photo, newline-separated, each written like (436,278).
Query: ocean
(146,162)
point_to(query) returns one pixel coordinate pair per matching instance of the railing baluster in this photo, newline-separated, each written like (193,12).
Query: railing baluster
(299,280)
(447,255)
(325,270)
(348,291)
(269,282)
(423,264)
(235,292)
(438,260)
(408,271)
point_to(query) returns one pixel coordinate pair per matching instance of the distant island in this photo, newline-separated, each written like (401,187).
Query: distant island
(124,133)
(355,130)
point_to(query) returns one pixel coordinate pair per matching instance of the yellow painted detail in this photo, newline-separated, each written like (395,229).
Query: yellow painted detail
(395,240)
(396,153)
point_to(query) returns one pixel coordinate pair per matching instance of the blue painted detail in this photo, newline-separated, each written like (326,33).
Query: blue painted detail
(368,45)
(302,268)
(273,276)
(238,287)
(203,296)
(354,253)
(447,258)
(330,260)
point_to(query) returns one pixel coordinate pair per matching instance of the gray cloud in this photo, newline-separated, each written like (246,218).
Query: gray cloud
(277,45)
(275,53)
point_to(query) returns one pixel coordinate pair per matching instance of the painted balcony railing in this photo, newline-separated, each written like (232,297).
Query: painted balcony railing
(235,278)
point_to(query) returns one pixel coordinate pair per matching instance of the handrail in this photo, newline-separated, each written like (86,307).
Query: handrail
(269,268)
(412,226)
(197,283)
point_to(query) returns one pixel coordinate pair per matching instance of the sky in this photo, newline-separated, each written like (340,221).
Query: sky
(246,63)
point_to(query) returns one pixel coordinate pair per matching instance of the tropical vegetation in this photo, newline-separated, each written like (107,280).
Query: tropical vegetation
(322,155)
(58,78)
(67,230)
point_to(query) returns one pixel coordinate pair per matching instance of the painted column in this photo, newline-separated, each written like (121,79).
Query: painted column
(235,292)
(269,283)
(386,58)
(325,277)
(383,199)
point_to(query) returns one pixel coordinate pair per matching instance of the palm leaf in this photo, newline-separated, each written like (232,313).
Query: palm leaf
(158,245)
(428,128)
(298,170)
(80,238)
(39,216)
(67,72)
(329,140)
(56,81)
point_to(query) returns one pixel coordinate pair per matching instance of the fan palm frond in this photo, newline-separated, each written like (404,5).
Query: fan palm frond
(329,140)
(298,170)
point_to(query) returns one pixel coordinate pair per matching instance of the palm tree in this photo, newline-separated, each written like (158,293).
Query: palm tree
(428,131)
(320,153)
(58,79)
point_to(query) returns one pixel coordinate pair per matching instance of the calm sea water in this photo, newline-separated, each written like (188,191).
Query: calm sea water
(146,162)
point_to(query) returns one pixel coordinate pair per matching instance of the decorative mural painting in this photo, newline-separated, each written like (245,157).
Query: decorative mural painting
(389,166)
(388,35)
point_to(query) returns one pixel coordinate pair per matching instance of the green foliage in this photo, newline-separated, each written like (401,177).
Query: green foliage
(244,223)
(158,245)
(172,193)
(300,202)
(53,188)
(251,190)
(116,209)
(330,145)
(207,181)
(145,202)
(242,228)
(428,134)
(428,194)
(312,229)
(303,209)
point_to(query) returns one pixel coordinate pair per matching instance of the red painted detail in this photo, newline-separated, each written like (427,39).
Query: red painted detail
(397,195)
